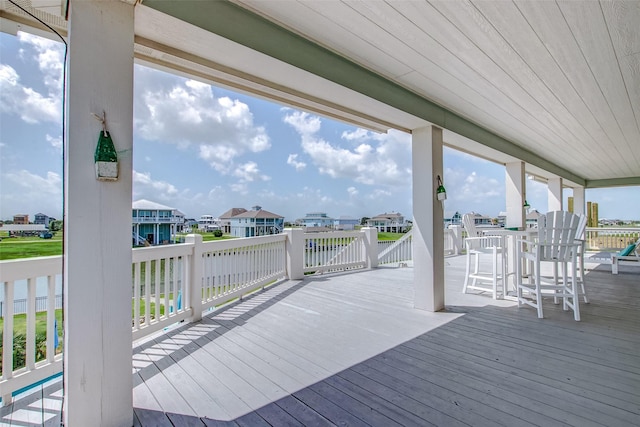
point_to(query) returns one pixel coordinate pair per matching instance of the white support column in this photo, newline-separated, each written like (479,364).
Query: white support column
(554,191)
(579,201)
(97,261)
(428,220)
(515,190)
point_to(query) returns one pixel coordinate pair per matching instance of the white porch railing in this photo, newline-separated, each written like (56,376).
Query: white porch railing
(400,250)
(334,251)
(396,251)
(41,362)
(234,267)
(170,284)
(610,238)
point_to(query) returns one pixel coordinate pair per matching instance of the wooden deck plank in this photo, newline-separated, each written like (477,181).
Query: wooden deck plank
(276,416)
(146,417)
(328,409)
(359,391)
(362,410)
(542,367)
(302,412)
(484,405)
(568,398)
(490,394)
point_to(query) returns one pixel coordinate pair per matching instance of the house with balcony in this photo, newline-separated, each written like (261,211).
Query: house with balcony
(392,222)
(317,221)
(256,222)
(548,88)
(209,223)
(155,223)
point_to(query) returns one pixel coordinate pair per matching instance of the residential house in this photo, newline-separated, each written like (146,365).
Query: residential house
(21,219)
(209,223)
(345,223)
(225,218)
(388,222)
(456,219)
(256,222)
(532,218)
(317,221)
(155,223)
(482,220)
(43,219)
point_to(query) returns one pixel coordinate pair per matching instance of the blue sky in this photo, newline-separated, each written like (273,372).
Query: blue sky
(204,149)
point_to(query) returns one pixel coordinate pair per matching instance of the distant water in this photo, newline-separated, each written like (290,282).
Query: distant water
(20,288)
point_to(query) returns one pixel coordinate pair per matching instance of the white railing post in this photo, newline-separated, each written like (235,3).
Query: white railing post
(371,245)
(194,285)
(295,253)
(456,230)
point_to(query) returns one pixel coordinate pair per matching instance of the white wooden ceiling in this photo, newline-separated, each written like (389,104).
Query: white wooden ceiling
(559,79)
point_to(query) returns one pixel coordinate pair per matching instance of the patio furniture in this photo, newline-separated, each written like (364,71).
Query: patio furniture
(477,244)
(628,256)
(580,238)
(556,243)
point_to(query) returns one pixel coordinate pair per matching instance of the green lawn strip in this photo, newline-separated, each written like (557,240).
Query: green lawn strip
(20,322)
(19,248)
(390,236)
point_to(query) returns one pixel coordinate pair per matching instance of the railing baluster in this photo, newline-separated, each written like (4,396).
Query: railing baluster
(30,361)
(7,339)
(167,286)
(147,293)
(51,318)
(156,290)
(136,296)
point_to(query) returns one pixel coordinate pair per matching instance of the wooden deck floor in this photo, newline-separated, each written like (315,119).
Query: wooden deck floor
(350,350)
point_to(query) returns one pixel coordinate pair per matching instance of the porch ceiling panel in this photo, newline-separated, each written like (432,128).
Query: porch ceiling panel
(561,79)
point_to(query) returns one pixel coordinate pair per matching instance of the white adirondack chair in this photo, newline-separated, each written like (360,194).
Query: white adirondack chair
(477,244)
(556,243)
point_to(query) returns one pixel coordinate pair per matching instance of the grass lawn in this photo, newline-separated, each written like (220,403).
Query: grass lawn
(20,322)
(390,236)
(28,247)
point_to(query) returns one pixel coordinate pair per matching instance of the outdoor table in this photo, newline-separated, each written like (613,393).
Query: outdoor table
(512,236)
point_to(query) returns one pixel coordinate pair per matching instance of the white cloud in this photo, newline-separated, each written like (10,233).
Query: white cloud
(239,187)
(293,161)
(55,142)
(31,106)
(352,191)
(379,159)
(187,113)
(144,187)
(30,193)
(303,123)
(249,172)
(357,135)
(29,103)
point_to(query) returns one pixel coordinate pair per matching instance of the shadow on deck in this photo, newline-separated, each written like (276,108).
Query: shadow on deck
(350,350)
